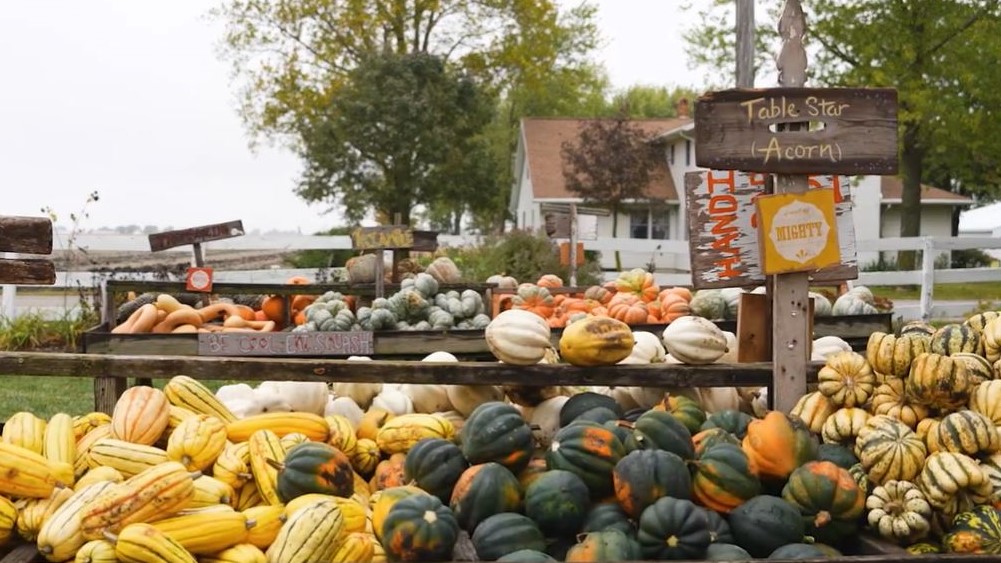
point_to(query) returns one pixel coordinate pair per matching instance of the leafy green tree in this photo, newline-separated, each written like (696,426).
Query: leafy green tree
(931,51)
(609,163)
(293,57)
(643,101)
(394,135)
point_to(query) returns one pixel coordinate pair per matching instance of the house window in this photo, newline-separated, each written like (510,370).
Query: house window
(649,224)
(688,152)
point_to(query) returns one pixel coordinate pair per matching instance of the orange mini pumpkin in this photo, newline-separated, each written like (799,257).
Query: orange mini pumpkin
(550,280)
(639,282)
(673,306)
(628,308)
(598,293)
(534,298)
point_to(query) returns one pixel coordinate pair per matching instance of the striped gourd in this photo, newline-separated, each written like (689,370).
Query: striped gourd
(918,328)
(281,423)
(176,417)
(978,321)
(142,543)
(892,355)
(991,339)
(233,465)
(210,491)
(889,450)
(267,522)
(366,456)
(85,423)
(128,458)
(32,513)
(312,534)
(189,393)
(813,409)
(96,551)
(197,442)
(157,492)
(992,469)
(986,400)
(846,379)
(24,473)
(25,430)
(927,430)
(242,553)
(362,490)
(342,434)
(266,446)
(60,442)
(938,381)
(8,520)
(205,533)
(140,416)
(357,547)
(102,473)
(977,367)
(953,482)
(206,509)
(968,432)
(953,339)
(843,426)
(889,399)
(379,554)
(354,514)
(61,534)
(402,432)
(289,441)
(82,462)
(248,496)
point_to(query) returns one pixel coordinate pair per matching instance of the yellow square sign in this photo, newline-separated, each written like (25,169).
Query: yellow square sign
(797,232)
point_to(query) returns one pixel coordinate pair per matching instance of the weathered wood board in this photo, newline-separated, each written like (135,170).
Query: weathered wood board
(356,343)
(853,130)
(195,235)
(27,271)
(26,235)
(722,228)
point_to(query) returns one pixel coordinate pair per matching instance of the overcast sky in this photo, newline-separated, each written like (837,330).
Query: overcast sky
(128,98)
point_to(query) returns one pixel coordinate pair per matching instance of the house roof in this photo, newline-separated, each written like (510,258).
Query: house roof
(543,138)
(892,189)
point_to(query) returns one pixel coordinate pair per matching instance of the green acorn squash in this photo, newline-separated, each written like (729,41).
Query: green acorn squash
(557,501)
(482,491)
(705,439)
(527,556)
(314,467)
(766,523)
(726,552)
(599,415)
(837,454)
(798,551)
(582,402)
(610,545)
(660,431)
(435,465)
(723,478)
(419,528)
(674,529)
(643,476)
(608,516)
(496,431)
(829,499)
(506,533)
(589,450)
(719,528)
(687,411)
(733,421)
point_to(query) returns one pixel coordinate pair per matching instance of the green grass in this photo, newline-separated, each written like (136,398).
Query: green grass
(983,291)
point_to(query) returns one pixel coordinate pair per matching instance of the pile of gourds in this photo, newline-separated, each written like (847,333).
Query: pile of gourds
(723,304)
(164,314)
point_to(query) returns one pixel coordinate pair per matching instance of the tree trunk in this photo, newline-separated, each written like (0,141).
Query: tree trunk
(615,234)
(912,165)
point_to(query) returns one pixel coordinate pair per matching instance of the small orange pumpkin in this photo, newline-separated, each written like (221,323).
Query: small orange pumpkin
(639,282)
(681,291)
(777,444)
(534,298)
(628,308)
(598,293)
(550,280)
(673,306)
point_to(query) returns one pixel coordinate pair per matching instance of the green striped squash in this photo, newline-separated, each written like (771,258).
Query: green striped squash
(954,482)
(979,321)
(938,381)
(889,449)
(917,328)
(968,432)
(844,426)
(955,338)
(977,366)
(892,355)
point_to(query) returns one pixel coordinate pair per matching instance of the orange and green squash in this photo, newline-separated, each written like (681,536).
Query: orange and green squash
(777,444)
(506,533)
(724,478)
(687,411)
(706,439)
(419,528)
(660,430)
(557,501)
(314,467)
(496,431)
(589,450)
(975,531)
(484,490)
(608,545)
(435,465)
(733,421)
(829,499)
(643,476)
(766,523)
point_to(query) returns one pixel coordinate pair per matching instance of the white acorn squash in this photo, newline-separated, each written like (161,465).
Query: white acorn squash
(647,349)
(546,417)
(731,349)
(360,393)
(646,397)
(624,398)
(518,337)
(694,340)
(827,345)
(440,357)
(346,407)
(394,401)
(427,398)
(301,396)
(465,398)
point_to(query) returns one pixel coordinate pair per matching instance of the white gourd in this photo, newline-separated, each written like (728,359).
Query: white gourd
(647,349)
(731,349)
(465,398)
(646,397)
(427,398)
(360,393)
(716,399)
(760,403)
(694,340)
(394,401)
(546,417)
(624,398)
(235,391)
(827,345)
(518,337)
(440,357)
(346,407)
(301,396)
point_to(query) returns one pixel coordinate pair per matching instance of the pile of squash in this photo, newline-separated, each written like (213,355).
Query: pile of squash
(164,314)
(723,304)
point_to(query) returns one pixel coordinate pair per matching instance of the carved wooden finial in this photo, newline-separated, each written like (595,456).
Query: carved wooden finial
(792,59)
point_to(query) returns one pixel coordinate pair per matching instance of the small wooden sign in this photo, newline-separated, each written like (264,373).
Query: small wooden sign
(853,130)
(195,235)
(723,228)
(382,238)
(797,231)
(557,225)
(355,343)
(565,254)
(199,279)
(26,235)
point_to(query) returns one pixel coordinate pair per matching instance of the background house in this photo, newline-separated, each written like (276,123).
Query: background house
(539,181)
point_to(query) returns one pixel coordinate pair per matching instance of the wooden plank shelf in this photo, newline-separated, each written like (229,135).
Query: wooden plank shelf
(236,288)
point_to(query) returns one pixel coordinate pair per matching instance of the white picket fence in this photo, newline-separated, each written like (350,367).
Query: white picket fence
(675,251)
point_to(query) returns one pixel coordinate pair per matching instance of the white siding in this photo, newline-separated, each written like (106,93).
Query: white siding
(936,221)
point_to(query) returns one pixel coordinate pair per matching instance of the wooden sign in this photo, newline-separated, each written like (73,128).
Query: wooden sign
(565,254)
(723,225)
(195,235)
(797,231)
(382,238)
(852,130)
(355,343)
(26,235)
(199,280)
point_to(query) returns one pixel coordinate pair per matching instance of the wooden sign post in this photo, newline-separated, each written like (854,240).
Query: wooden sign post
(195,237)
(793,132)
(391,237)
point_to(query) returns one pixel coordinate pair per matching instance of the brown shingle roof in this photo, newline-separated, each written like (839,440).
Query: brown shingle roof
(892,190)
(544,137)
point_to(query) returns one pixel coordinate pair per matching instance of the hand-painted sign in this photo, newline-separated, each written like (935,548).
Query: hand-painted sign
(354,343)
(382,238)
(195,235)
(797,231)
(723,228)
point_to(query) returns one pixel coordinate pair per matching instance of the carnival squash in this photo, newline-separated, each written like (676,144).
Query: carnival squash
(643,476)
